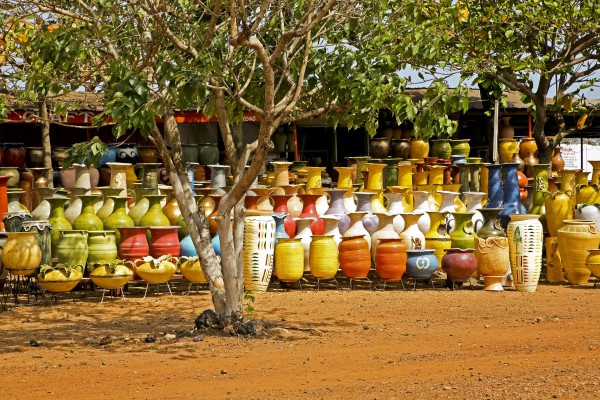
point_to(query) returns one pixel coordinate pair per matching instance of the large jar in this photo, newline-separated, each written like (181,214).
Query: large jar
(411,235)
(592,262)
(72,247)
(324,260)
(355,259)
(390,259)
(134,244)
(400,148)
(21,254)
(525,241)
(289,259)
(558,209)
(460,147)
(419,149)
(190,152)
(440,148)
(57,220)
(208,153)
(421,264)
(258,250)
(164,241)
(14,155)
(575,238)
(493,261)
(379,147)
(459,264)
(507,148)
(88,220)
(102,246)
(463,236)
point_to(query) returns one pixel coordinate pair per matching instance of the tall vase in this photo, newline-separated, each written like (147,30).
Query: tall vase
(150,175)
(281,173)
(375,177)
(412,236)
(438,238)
(540,185)
(595,172)
(118,218)
(336,204)
(385,230)
(525,240)
(280,206)
(421,206)
(474,200)
(345,174)
(559,208)
(390,172)
(506,131)
(558,163)
(82,176)
(310,211)
(512,198)
(57,220)
(314,178)
(495,188)
(405,174)
(506,149)
(370,220)
(88,220)
(331,227)
(154,216)
(447,206)
(305,235)
(357,228)
(108,205)
(463,236)
(141,204)
(118,176)
(397,205)
(575,238)
(218,177)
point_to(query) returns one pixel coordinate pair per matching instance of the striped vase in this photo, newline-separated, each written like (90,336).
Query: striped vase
(525,241)
(259,245)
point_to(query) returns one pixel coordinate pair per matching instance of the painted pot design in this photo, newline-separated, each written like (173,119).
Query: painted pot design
(463,235)
(258,250)
(525,240)
(575,238)
(127,153)
(390,259)
(41,231)
(459,264)
(355,258)
(493,261)
(421,264)
(438,238)
(164,241)
(289,260)
(72,247)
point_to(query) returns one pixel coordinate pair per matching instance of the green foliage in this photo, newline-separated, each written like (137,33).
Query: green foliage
(249,299)
(88,153)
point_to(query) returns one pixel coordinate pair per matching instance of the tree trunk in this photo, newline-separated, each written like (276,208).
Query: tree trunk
(488,103)
(545,147)
(46,145)
(195,221)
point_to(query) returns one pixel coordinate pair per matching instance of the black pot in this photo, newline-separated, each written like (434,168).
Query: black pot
(400,148)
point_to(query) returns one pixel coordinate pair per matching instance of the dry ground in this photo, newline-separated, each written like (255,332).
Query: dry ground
(366,344)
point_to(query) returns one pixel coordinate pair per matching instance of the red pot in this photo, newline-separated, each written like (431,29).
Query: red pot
(14,155)
(134,244)
(390,259)
(459,264)
(3,198)
(164,240)
(280,206)
(250,202)
(355,257)
(310,210)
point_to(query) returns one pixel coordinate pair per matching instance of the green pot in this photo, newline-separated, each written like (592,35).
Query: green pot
(441,148)
(119,217)
(154,216)
(460,147)
(463,236)
(72,248)
(108,205)
(88,220)
(102,246)
(137,211)
(57,220)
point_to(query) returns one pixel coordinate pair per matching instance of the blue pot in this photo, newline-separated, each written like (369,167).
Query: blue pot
(187,247)
(217,244)
(421,264)
(512,197)
(111,156)
(279,226)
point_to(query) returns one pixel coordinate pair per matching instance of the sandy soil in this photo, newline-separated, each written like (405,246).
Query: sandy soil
(365,344)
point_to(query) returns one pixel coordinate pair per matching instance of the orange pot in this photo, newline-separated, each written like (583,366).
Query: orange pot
(355,257)
(390,259)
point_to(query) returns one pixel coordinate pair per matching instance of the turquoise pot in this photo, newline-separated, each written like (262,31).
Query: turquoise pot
(187,247)
(421,264)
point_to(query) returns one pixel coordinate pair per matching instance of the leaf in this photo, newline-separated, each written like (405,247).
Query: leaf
(581,121)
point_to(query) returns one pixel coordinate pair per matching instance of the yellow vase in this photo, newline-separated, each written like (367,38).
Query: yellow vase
(377,200)
(375,177)
(405,174)
(581,178)
(484,179)
(313,181)
(554,267)
(21,254)
(324,259)
(437,238)
(419,149)
(592,262)
(575,238)
(436,174)
(420,178)
(130,177)
(289,259)
(587,194)
(345,177)
(559,207)
(595,172)
(506,148)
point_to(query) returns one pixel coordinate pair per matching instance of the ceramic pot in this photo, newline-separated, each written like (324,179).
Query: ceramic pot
(61,278)
(324,259)
(359,162)
(110,277)
(118,176)
(438,238)
(258,250)
(379,147)
(280,206)
(575,238)
(357,228)
(530,162)
(41,231)
(309,210)
(187,248)
(208,153)
(102,246)
(463,235)
(108,204)
(305,235)
(459,264)
(412,236)
(587,194)
(118,218)
(460,147)
(344,180)
(421,263)
(588,212)
(21,254)
(405,175)
(390,259)
(494,189)
(13,222)
(493,261)
(507,148)
(592,262)
(491,224)
(331,227)
(134,244)
(281,173)
(172,211)
(385,230)
(164,241)
(150,175)
(156,271)
(149,154)
(440,148)
(506,131)
(280,232)
(154,216)
(289,259)
(558,208)
(141,205)
(419,149)
(57,220)
(191,269)
(72,248)
(390,172)
(35,157)
(554,266)
(88,220)
(13,174)
(421,206)
(58,155)
(355,258)
(474,201)
(127,153)
(400,148)
(14,155)
(527,145)
(512,199)
(558,163)
(525,240)
(190,152)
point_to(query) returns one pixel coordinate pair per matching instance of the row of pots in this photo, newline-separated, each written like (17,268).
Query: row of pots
(381,148)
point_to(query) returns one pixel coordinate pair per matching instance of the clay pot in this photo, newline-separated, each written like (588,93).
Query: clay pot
(440,148)
(289,260)
(208,153)
(525,241)
(148,154)
(379,147)
(558,208)
(14,155)
(400,148)
(324,259)
(58,155)
(14,175)
(190,152)
(558,163)
(355,259)
(21,254)
(127,153)
(460,147)
(493,261)
(35,157)
(134,244)
(390,259)
(507,148)
(459,264)
(592,262)
(102,246)
(258,251)
(506,131)
(164,241)
(72,247)
(419,149)
(527,145)
(575,238)
(421,263)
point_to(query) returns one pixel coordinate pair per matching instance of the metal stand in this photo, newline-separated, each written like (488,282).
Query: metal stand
(427,280)
(288,286)
(361,280)
(190,288)
(157,289)
(23,283)
(113,293)
(459,281)
(388,281)
(337,286)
